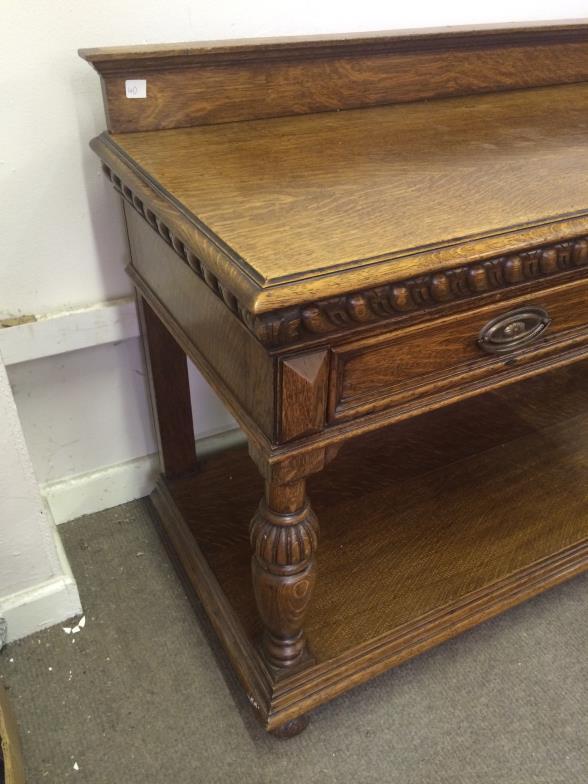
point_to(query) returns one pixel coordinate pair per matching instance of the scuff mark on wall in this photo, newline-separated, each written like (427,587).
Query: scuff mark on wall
(16,321)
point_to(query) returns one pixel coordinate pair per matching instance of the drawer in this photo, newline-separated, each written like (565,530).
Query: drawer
(478,349)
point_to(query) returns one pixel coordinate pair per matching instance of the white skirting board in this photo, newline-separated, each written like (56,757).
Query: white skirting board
(53,601)
(37,588)
(69,330)
(88,493)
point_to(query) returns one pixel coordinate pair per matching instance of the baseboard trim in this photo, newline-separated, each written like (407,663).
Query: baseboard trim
(117,484)
(45,604)
(85,494)
(69,330)
(40,606)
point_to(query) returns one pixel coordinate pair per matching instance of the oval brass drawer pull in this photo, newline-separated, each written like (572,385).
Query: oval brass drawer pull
(513,330)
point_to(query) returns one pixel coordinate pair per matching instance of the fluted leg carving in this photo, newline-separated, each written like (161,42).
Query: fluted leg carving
(284,536)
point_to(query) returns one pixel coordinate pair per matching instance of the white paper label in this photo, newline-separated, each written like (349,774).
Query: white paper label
(136,88)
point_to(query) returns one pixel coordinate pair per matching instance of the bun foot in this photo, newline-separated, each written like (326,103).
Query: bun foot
(291,728)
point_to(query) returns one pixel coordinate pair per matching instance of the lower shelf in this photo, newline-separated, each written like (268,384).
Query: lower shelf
(427,529)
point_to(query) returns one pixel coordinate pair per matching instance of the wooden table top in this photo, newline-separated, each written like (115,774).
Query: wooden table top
(362,192)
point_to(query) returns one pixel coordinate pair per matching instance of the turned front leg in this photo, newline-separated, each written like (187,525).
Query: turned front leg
(284,536)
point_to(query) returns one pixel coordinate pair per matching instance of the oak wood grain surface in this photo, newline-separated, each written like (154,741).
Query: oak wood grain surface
(417,516)
(238,364)
(307,303)
(305,196)
(302,394)
(260,89)
(445,353)
(228,81)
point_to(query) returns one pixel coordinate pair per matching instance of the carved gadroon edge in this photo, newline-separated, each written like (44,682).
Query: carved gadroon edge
(381,303)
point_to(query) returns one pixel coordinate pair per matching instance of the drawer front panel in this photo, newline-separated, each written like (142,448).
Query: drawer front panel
(448,353)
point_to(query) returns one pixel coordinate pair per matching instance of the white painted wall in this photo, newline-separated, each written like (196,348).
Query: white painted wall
(36,586)
(84,413)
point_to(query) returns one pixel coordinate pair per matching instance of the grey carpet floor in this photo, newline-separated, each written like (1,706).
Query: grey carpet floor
(143,694)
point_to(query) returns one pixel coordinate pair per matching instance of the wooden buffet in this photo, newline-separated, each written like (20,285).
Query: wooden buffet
(378,242)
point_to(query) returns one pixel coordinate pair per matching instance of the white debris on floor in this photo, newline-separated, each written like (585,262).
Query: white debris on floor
(75,629)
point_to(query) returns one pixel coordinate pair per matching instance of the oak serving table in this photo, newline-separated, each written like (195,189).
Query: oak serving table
(378,242)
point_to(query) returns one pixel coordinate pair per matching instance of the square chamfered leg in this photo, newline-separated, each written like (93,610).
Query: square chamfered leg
(167,372)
